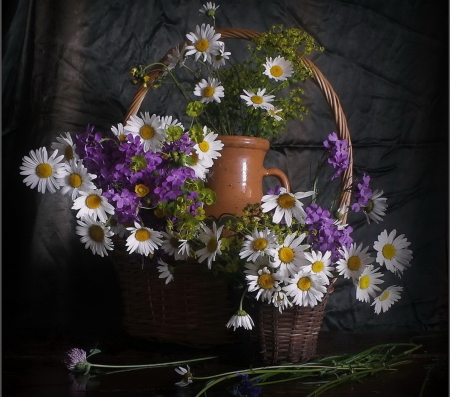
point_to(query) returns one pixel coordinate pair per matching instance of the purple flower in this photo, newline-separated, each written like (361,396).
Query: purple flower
(362,193)
(75,359)
(337,154)
(246,387)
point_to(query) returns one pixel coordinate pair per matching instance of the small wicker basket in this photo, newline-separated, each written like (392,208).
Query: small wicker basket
(171,313)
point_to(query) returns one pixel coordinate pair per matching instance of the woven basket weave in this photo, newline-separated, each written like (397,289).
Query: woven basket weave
(290,336)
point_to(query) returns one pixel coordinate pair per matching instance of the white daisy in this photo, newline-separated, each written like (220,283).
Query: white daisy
(171,245)
(257,244)
(75,178)
(165,270)
(143,240)
(305,289)
(280,300)
(376,208)
(286,205)
(258,264)
(42,171)
(176,57)
(169,121)
(204,42)
(392,251)
(208,149)
(353,261)
(278,69)
(387,298)
(289,256)
(95,234)
(367,284)
(258,100)
(273,113)
(149,129)
(184,248)
(218,60)
(119,132)
(211,239)
(240,319)
(264,281)
(186,374)
(117,228)
(209,9)
(65,146)
(199,166)
(209,91)
(320,264)
(91,202)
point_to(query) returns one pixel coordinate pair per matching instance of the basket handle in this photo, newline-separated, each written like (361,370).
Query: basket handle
(324,85)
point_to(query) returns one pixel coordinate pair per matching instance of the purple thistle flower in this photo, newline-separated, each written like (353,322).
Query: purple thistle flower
(75,359)
(246,387)
(362,193)
(337,154)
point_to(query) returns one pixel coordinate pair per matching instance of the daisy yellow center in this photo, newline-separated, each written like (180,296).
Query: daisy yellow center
(304,283)
(286,201)
(286,254)
(96,233)
(142,235)
(317,266)
(212,245)
(75,180)
(202,45)
(203,146)
(147,132)
(174,242)
(384,296)
(141,190)
(369,208)
(266,281)
(257,99)
(354,263)
(276,71)
(194,157)
(364,282)
(259,244)
(208,91)
(93,201)
(159,212)
(388,251)
(122,137)
(44,170)
(68,152)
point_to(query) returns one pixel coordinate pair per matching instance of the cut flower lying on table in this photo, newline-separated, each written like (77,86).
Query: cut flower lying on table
(146,182)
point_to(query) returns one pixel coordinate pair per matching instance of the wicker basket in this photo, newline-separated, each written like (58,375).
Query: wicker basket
(290,336)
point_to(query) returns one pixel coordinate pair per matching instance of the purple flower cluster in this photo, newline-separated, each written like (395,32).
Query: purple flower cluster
(246,387)
(337,153)
(324,235)
(362,193)
(122,165)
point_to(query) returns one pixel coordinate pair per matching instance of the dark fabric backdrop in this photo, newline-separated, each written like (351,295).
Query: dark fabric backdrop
(67,63)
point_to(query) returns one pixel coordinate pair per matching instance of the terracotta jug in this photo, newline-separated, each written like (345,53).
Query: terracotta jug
(236,177)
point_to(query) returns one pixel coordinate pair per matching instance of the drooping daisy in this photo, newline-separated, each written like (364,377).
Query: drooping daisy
(387,298)
(171,245)
(209,9)
(91,202)
(376,208)
(280,300)
(286,205)
(240,319)
(261,242)
(273,113)
(75,178)
(289,256)
(117,228)
(42,171)
(258,100)
(320,264)
(209,91)
(176,56)
(204,42)
(208,149)
(65,146)
(119,132)
(367,284)
(211,239)
(264,281)
(353,261)
(278,69)
(149,129)
(95,235)
(392,251)
(186,374)
(305,289)
(142,239)
(219,59)
(165,270)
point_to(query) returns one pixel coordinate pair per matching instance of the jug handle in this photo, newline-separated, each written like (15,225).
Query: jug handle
(280,175)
